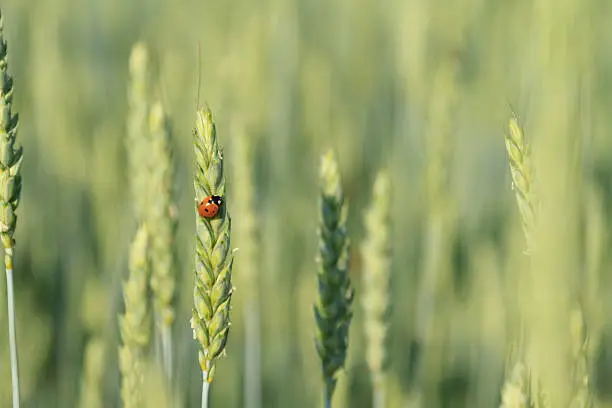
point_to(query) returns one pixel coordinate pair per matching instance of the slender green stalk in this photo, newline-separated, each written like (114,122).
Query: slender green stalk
(328,394)
(162,227)
(10,298)
(93,371)
(333,311)
(205,390)
(214,258)
(134,324)
(375,252)
(434,297)
(11,157)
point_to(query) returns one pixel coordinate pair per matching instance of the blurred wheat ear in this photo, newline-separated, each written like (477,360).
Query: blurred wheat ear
(137,142)
(333,310)
(246,237)
(583,397)
(134,325)
(522,177)
(151,169)
(11,156)
(162,227)
(375,252)
(515,393)
(517,390)
(214,257)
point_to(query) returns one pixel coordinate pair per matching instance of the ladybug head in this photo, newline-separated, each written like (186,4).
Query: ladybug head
(215,199)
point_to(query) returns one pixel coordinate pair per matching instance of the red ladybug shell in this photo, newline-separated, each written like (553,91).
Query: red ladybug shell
(209,207)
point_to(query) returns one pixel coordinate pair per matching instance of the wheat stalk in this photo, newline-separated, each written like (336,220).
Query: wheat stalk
(93,372)
(11,157)
(214,256)
(333,311)
(134,324)
(375,253)
(162,226)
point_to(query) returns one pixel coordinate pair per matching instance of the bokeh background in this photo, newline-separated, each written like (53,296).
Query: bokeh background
(423,88)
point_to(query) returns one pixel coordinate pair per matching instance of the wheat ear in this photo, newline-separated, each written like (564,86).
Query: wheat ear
(245,234)
(137,142)
(522,177)
(11,156)
(517,391)
(333,310)
(162,226)
(134,324)
(214,257)
(375,253)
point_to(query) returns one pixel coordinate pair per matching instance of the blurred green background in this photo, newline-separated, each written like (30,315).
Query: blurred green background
(423,88)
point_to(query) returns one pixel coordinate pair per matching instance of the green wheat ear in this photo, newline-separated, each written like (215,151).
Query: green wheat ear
(11,157)
(333,311)
(522,177)
(134,324)
(375,252)
(520,390)
(214,256)
(162,226)
(138,135)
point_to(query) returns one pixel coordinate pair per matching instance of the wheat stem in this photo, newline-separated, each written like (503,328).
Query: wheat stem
(205,389)
(328,394)
(244,206)
(134,324)
(12,335)
(166,345)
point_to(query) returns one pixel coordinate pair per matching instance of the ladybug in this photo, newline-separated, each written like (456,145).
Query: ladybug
(209,207)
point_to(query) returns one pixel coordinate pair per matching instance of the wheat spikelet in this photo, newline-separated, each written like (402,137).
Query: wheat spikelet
(137,142)
(522,177)
(162,226)
(375,252)
(134,324)
(214,257)
(11,157)
(333,311)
